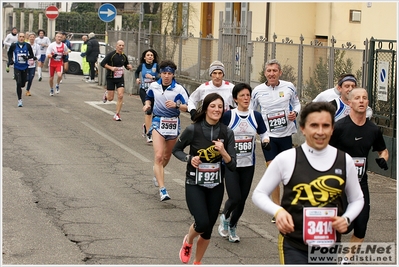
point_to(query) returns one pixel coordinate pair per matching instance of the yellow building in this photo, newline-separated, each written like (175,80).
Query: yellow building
(345,21)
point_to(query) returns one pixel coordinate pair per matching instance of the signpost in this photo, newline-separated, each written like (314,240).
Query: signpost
(51,13)
(107,13)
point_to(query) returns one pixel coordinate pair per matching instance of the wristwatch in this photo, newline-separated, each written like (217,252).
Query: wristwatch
(177,104)
(296,114)
(348,221)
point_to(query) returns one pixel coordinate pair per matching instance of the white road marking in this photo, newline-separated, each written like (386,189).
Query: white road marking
(116,142)
(96,104)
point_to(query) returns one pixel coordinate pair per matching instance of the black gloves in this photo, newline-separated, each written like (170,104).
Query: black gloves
(11,62)
(24,57)
(266,146)
(193,112)
(55,56)
(82,54)
(382,163)
(35,58)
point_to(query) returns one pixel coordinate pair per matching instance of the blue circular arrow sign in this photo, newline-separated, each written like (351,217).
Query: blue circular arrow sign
(107,12)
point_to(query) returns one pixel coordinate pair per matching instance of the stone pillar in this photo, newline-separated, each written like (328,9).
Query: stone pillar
(31,21)
(40,22)
(22,22)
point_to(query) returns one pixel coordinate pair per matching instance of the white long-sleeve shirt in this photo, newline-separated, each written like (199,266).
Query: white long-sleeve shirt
(281,170)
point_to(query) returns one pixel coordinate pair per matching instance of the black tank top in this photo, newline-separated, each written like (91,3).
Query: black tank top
(200,146)
(312,188)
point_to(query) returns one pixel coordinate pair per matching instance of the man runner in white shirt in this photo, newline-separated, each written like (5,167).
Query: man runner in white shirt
(216,85)
(279,106)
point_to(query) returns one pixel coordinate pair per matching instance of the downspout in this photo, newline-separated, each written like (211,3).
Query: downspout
(267,30)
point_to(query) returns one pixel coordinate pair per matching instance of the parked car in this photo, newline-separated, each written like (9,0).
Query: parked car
(75,60)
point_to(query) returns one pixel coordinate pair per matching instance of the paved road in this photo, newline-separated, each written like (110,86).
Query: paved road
(77,188)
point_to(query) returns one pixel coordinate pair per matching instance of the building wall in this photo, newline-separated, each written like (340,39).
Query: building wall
(313,19)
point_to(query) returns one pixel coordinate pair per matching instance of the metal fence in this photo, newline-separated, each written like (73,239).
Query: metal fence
(311,67)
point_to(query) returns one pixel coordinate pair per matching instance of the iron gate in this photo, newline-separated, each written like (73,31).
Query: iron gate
(381,87)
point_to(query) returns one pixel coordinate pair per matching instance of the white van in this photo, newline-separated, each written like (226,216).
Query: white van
(75,60)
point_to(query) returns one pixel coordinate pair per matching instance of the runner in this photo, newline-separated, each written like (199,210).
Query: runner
(149,70)
(279,105)
(115,62)
(211,142)
(356,135)
(246,124)
(216,85)
(43,41)
(316,197)
(19,54)
(169,98)
(32,62)
(55,52)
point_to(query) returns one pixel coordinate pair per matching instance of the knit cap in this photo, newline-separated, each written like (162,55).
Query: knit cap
(216,65)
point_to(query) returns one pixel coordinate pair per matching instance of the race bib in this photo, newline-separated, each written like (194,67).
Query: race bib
(168,126)
(31,62)
(360,164)
(244,145)
(317,226)
(208,174)
(20,58)
(277,121)
(147,83)
(118,73)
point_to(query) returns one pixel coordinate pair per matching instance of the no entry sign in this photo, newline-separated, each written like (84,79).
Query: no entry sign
(52,12)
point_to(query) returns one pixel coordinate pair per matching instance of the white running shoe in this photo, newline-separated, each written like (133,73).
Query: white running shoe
(223,228)
(164,194)
(117,117)
(233,237)
(154,179)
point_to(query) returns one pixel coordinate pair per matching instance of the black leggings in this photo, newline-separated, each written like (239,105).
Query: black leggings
(238,185)
(143,94)
(359,225)
(204,204)
(20,78)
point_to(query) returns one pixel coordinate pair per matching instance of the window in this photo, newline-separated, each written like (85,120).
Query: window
(355,16)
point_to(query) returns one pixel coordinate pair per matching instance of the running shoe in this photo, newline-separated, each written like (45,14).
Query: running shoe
(105,97)
(149,138)
(164,194)
(154,179)
(20,103)
(223,228)
(185,251)
(28,93)
(144,130)
(51,92)
(233,237)
(7,69)
(40,79)
(117,117)
(57,88)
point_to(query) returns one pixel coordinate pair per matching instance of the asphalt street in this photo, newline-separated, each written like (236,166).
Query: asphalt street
(77,188)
